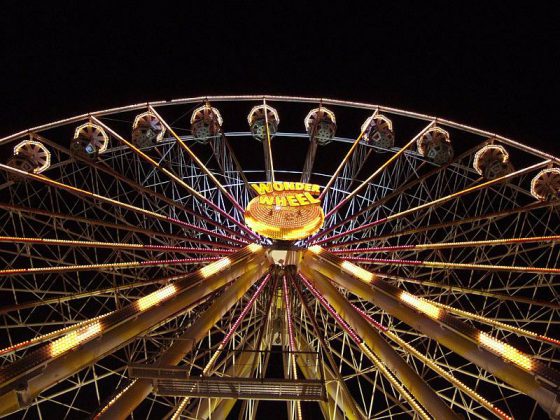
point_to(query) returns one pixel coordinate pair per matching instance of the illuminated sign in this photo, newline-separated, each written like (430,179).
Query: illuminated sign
(285,210)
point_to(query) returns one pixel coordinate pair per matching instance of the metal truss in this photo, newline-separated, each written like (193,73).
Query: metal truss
(131,285)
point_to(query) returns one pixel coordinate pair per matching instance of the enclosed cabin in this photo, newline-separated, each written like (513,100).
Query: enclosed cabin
(206,123)
(320,124)
(492,161)
(259,117)
(89,141)
(435,145)
(378,130)
(545,186)
(29,156)
(147,130)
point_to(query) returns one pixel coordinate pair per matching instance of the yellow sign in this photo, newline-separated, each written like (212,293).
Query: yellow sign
(285,210)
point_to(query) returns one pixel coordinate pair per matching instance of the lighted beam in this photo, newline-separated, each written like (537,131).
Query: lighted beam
(457,336)
(435,202)
(344,160)
(199,163)
(106,266)
(466,290)
(208,369)
(446,245)
(267,146)
(375,347)
(118,328)
(378,171)
(124,227)
(102,166)
(111,201)
(338,392)
(435,367)
(455,266)
(115,245)
(129,400)
(410,182)
(95,292)
(174,177)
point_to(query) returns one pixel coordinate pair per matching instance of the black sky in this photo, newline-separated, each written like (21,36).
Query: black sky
(495,68)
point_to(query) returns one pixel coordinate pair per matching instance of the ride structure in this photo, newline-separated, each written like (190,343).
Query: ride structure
(356,261)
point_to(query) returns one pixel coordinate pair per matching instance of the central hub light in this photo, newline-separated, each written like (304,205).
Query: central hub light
(285,210)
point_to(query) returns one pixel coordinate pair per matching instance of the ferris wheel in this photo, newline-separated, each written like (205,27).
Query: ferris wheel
(200,258)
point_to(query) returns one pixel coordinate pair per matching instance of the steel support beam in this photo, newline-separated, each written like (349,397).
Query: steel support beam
(219,408)
(340,403)
(410,379)
(539,388)
(434,203)
(123,406)
(378,171)
(171,175)
(14,397)
(200,164)
(309,159)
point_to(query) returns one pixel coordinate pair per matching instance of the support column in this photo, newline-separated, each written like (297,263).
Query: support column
(410,379)
(123,406)
(382,294)
(59,368)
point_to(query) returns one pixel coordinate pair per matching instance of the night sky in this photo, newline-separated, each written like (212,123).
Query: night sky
(495,69)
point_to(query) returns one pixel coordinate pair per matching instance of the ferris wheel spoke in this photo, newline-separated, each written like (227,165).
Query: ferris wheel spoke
(119,181)
(339,398)
(310,157)
(435,202)
(117,245)
(437,369)
(219,407)
(384,358)
(470,291)
(486,218)
(378,171)
(455,266)
(105,266)
(171,175)
(344,161)
(351,356)
(210,367)
(484,350)
(70,296)
(81,206)
(200,164)
(339,395)
(497,324)
(246,362)
(375,383)
(267,147)
(88,194)
(412,181)
(128,400)
(103,167)
(443,245)
(56,218)
(40,339)
(472,316)
(239,363)
(230,166)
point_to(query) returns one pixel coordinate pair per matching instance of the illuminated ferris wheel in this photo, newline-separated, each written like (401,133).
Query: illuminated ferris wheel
(181,259)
